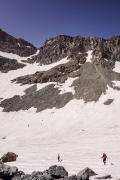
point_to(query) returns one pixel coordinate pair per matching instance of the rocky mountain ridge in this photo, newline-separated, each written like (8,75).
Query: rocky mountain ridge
(19,46)
(90,60)
(61,46)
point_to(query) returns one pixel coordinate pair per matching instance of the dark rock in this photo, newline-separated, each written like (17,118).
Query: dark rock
(19,175)
(57,172)
(105,51)
(108,102)
(7,172)
(41,176)
(59,73)
(85,174)
(80,58)
(47,97)
(37,176)
(54,49)
(9,157)
(59,47)
(90,85)
(104,177)
(13,45)
(9,64)
(4,137)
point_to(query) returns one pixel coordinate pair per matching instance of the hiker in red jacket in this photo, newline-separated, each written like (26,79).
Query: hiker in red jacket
(104,157)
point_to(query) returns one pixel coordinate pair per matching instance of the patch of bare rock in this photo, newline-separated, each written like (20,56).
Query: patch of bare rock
(9,65)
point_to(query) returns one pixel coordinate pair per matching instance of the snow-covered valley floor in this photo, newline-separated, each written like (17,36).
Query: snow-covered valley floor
(79,132)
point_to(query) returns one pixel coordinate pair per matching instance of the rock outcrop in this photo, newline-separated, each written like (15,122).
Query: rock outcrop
(9,64)
(59,73)
(47,97)
(85,174)
(57,172)
(105,51)
(7,172)
(13,45)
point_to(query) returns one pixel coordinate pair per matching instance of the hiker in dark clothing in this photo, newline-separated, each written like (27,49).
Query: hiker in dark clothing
(104,157)
(58,157)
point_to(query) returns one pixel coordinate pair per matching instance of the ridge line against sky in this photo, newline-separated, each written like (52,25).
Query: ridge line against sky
(38,20)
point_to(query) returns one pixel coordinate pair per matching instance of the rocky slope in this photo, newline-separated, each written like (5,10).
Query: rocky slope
(90,60)
(61,46)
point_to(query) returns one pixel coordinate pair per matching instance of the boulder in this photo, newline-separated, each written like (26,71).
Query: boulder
(7,172)
(9,157)
(57,172)
(85,174)
(19,175)
(108,101)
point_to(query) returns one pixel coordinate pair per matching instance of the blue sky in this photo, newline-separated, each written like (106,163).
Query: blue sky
(38,20)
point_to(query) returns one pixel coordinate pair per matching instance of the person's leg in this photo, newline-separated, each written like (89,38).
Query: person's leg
(104,161)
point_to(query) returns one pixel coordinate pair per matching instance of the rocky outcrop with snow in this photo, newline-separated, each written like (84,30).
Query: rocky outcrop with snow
(105,51)
(9,64)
